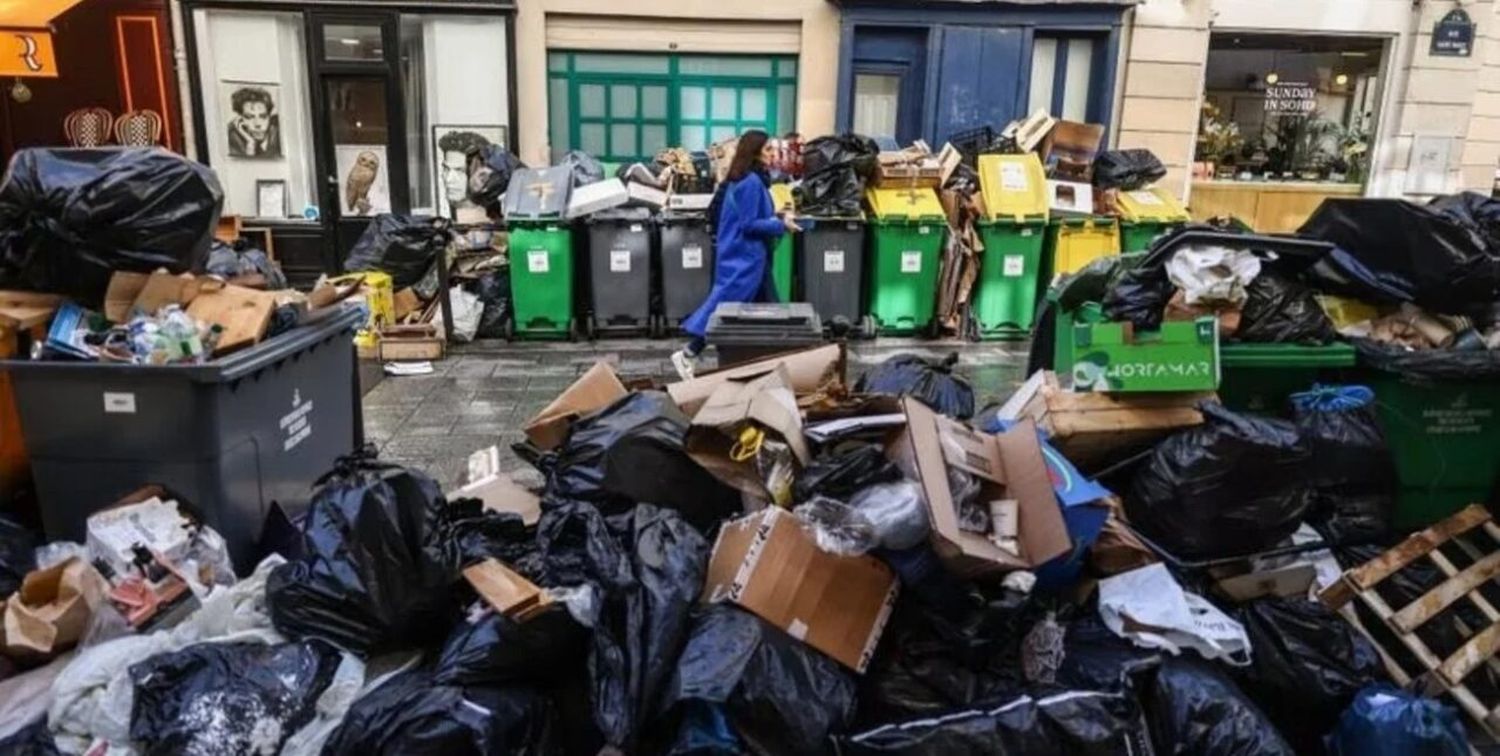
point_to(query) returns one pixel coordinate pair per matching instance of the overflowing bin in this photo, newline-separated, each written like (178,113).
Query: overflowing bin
(1015,224)
(832,272)
(232,437)
(686,265)
(1146,215)
(908,231)
(620,272)
(1260,377)
(541,280)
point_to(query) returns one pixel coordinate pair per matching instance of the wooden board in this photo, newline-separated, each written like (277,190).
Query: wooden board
(505,590)
(1417,545)
(244,314)
(402,349)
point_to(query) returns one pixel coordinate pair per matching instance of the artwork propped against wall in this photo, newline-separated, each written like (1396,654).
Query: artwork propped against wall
(254,123)
(364,179)
(452,145)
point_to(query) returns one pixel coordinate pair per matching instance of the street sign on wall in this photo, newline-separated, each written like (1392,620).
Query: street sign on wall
(1453,35)
(27,53)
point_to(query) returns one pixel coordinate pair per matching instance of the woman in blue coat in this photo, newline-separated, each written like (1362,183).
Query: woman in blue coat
(746,229)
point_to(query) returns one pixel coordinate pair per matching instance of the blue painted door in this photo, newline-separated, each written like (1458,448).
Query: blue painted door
(978,79)
(887,89)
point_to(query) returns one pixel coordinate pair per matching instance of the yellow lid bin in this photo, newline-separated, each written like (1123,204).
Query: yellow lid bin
(1014,187)
(1150,205)
(905,204)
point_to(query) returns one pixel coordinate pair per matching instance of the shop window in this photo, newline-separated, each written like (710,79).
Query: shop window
(627,107)
(1063,77)
(1280,107)
(877,102)
(346,42)
(447,114)
(256,111)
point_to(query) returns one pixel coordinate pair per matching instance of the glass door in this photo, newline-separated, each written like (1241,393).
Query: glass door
(363,158)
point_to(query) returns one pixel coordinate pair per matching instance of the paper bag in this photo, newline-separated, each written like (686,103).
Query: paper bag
(764,401)
(51,611)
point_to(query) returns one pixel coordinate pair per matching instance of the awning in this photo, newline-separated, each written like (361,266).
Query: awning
(25,38)
(32,14)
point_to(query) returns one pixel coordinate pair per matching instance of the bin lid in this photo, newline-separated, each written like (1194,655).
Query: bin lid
(1014,187)
(1287,355)
(621,215)
(781,196)
(907,204)
(1151,205)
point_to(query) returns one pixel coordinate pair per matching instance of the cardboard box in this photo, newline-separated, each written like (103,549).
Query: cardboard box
(51,610)
(496,490)
(1070,197)
(650,196)
(594,390)
(765,400)
(1070,148)
(807,370)
(592,198)
(124,289)
(690,202)
(769,564)
(1008,465)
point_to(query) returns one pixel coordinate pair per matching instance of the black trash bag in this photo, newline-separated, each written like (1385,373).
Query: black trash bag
(934,383)
(1352,469)
(471,533)
(584,167)
(1387,721)
(490,168)
(1232,486)
(1193,708)
(1090,284)
(1139,297)
(34,739)
(405,246)
(1279,310)
(370,578)
(647,568)
(1428,365)
(1475,211)
(17,554)
(1443,264)
(228,262)
(413,715)
(497,650)
(214,698)
(493,289)
(1306,665)
(778,694)
(837,191)
(1127,169)
(842,149)
(1065,723)
(71,218)
(840,472)
(632,451)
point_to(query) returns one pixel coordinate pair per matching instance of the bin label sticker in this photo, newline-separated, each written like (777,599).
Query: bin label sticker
(1143,197)
(636,228)
(619,261)
(1459,417)
(119,403)
(911,262)
(538,261)
(1013,177)
(692,258)
(1014,266)
(833,261)
(1026,232)
(924,230)
(296,425)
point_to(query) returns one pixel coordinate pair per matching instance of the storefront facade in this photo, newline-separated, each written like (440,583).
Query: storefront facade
(319,116)
(1262,108)
(622,81)
(934,70)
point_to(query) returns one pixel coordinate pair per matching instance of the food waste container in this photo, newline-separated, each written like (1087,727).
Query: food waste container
(832,272)
(744,332)
(620,272)
(541,280)
(1146,215)
(232,436)
(1012,231)
(687,265)
(783,254)
(908,228)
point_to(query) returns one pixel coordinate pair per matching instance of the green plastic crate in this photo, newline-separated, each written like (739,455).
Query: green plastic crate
(541,279)
(1259,377)
(1182,356)
(1005,295)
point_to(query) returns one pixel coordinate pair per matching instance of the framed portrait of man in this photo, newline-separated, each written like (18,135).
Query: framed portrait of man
(252,121)
(451,145)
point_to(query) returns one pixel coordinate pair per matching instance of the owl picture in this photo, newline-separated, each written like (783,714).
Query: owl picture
(361,178)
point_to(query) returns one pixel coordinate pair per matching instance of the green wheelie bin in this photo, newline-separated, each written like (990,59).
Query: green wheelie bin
(1146,215)
(541,280)
(907,229)
(1013,232)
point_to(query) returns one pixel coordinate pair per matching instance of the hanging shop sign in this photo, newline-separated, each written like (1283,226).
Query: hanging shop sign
(27,53)
(1453,35)
(1291,98)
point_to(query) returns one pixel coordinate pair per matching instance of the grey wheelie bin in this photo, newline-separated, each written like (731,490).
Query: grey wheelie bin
(832,272)
(687,265)
(620,272)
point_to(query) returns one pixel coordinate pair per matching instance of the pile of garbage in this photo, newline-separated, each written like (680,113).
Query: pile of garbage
(771,558)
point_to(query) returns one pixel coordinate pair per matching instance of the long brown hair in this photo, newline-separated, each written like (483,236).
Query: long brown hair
(747,153)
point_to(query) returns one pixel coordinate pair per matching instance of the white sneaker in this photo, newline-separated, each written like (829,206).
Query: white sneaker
(685,364)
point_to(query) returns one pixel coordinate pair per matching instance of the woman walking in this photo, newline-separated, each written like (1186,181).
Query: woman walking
(746,225)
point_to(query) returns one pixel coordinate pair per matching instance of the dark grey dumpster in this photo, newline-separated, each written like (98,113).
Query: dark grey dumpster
(687,265)
(620,272)
(832,271)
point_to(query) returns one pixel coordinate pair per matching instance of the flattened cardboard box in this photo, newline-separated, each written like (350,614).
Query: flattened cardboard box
(595,390)
(766,400)
(1008,465)
(807,370)
(769,564)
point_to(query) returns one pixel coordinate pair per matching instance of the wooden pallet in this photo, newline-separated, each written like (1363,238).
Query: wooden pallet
(1437,676)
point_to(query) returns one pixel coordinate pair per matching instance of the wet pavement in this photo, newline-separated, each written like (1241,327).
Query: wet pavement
(483,393)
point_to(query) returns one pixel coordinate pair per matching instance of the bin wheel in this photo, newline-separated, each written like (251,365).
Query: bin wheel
(657,327)
(573,333)
(510,329)
(867,329)
(591,329)
(933,329)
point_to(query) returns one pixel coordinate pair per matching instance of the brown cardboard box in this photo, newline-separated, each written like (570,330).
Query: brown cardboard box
(765,400)
(595,390)
(1070,148)
(769,564)
(807,370)
(123,290)
(1008,465)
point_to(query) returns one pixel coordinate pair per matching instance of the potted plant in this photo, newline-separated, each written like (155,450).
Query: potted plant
(1219,141)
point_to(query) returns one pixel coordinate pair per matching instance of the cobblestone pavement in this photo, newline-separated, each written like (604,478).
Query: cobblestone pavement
(483,393)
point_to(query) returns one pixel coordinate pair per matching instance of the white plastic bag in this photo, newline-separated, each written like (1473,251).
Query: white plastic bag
(1213,276)
(467,309)
(1149,608)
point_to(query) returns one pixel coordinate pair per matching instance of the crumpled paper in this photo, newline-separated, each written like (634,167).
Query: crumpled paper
(1148,608)
(1213,276)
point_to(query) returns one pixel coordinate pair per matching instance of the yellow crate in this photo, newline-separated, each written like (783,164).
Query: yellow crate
(378,292)
(1076,242)
(1014,187)
(905,204)
(1150,205)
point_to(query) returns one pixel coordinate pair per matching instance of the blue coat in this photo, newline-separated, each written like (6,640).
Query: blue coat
(747,228)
